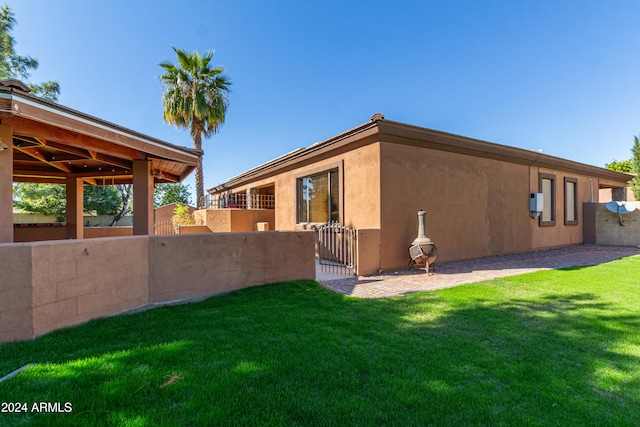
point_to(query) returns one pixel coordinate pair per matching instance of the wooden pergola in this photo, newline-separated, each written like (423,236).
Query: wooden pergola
(45,142)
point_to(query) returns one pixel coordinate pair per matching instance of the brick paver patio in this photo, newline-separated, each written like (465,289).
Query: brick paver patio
(458,273)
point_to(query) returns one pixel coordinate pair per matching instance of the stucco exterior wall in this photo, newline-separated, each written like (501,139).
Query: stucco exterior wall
(360,190)
(95,232)
(475,206)
(213,263)
(49,285)
(605,195)
(234,220)
(6,187)
(561,234)
(15,292)
(35,234)
(193,229)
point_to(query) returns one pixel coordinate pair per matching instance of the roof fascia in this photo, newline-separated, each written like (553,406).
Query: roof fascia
(401,133)
(290,160)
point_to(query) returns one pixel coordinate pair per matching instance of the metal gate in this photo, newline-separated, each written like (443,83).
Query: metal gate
(336,248)
(164,227)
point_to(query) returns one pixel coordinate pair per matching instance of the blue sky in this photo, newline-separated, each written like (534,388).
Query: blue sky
(561,76)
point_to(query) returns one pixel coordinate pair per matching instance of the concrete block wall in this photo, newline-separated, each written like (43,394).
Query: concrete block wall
(78,280)
(610,232)
(49,285)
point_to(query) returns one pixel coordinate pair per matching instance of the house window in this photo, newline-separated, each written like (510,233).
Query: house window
(319,197)
(548,189)
(570,201)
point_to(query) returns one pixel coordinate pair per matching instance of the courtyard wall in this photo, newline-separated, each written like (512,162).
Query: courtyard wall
(49,285)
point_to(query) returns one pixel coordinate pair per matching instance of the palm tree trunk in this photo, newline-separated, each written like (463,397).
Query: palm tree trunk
(197,144)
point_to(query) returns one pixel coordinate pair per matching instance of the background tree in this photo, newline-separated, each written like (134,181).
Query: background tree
(622,166)
(181,216)
(635,167)
(104,199)
(50,199)
(165,194)
(47,199)
(125,191)
(17,66)
(195,97)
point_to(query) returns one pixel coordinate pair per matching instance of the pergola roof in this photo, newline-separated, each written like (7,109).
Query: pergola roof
(52,142)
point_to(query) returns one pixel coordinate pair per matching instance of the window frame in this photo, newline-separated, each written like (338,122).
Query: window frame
(552,202)
(574,181)
(298,177)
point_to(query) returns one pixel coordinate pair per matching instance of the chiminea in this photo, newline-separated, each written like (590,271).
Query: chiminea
(423,251)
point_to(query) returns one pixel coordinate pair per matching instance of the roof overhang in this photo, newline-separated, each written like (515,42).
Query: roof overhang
(381,130)
(401,133)
(52,142)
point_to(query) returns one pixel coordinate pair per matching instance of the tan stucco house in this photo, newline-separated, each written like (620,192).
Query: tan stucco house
(377,176)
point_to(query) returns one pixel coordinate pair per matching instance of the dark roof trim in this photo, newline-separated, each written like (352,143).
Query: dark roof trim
(298,155)
(15,84)
(401,133)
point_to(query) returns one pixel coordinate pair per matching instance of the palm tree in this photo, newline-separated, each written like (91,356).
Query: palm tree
(195,96)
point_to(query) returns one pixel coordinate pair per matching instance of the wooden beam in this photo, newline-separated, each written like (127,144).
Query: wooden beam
(100,131)
(63,156)
(103,173)
(38,180)
(113,161)
(33,152)
(73,139)
(80,152)
(31,172)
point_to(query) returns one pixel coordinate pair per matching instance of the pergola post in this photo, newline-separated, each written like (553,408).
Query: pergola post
(6,181)
(142,198)
(75,208)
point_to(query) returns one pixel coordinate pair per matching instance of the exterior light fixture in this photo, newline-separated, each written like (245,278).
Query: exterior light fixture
(3,146)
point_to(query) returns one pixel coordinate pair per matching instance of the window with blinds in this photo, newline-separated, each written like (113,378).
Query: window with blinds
(548,189)
(570,201)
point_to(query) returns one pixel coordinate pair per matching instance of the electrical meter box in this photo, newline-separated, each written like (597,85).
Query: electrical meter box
(536,204)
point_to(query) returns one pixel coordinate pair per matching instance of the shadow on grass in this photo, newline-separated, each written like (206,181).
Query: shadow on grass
(298,354)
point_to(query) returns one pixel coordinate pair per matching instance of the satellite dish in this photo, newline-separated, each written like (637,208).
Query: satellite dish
(621,208)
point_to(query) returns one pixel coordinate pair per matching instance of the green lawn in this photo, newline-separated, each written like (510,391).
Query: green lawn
(549,348)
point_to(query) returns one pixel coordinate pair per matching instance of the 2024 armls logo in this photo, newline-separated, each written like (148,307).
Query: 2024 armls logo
(45,407)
